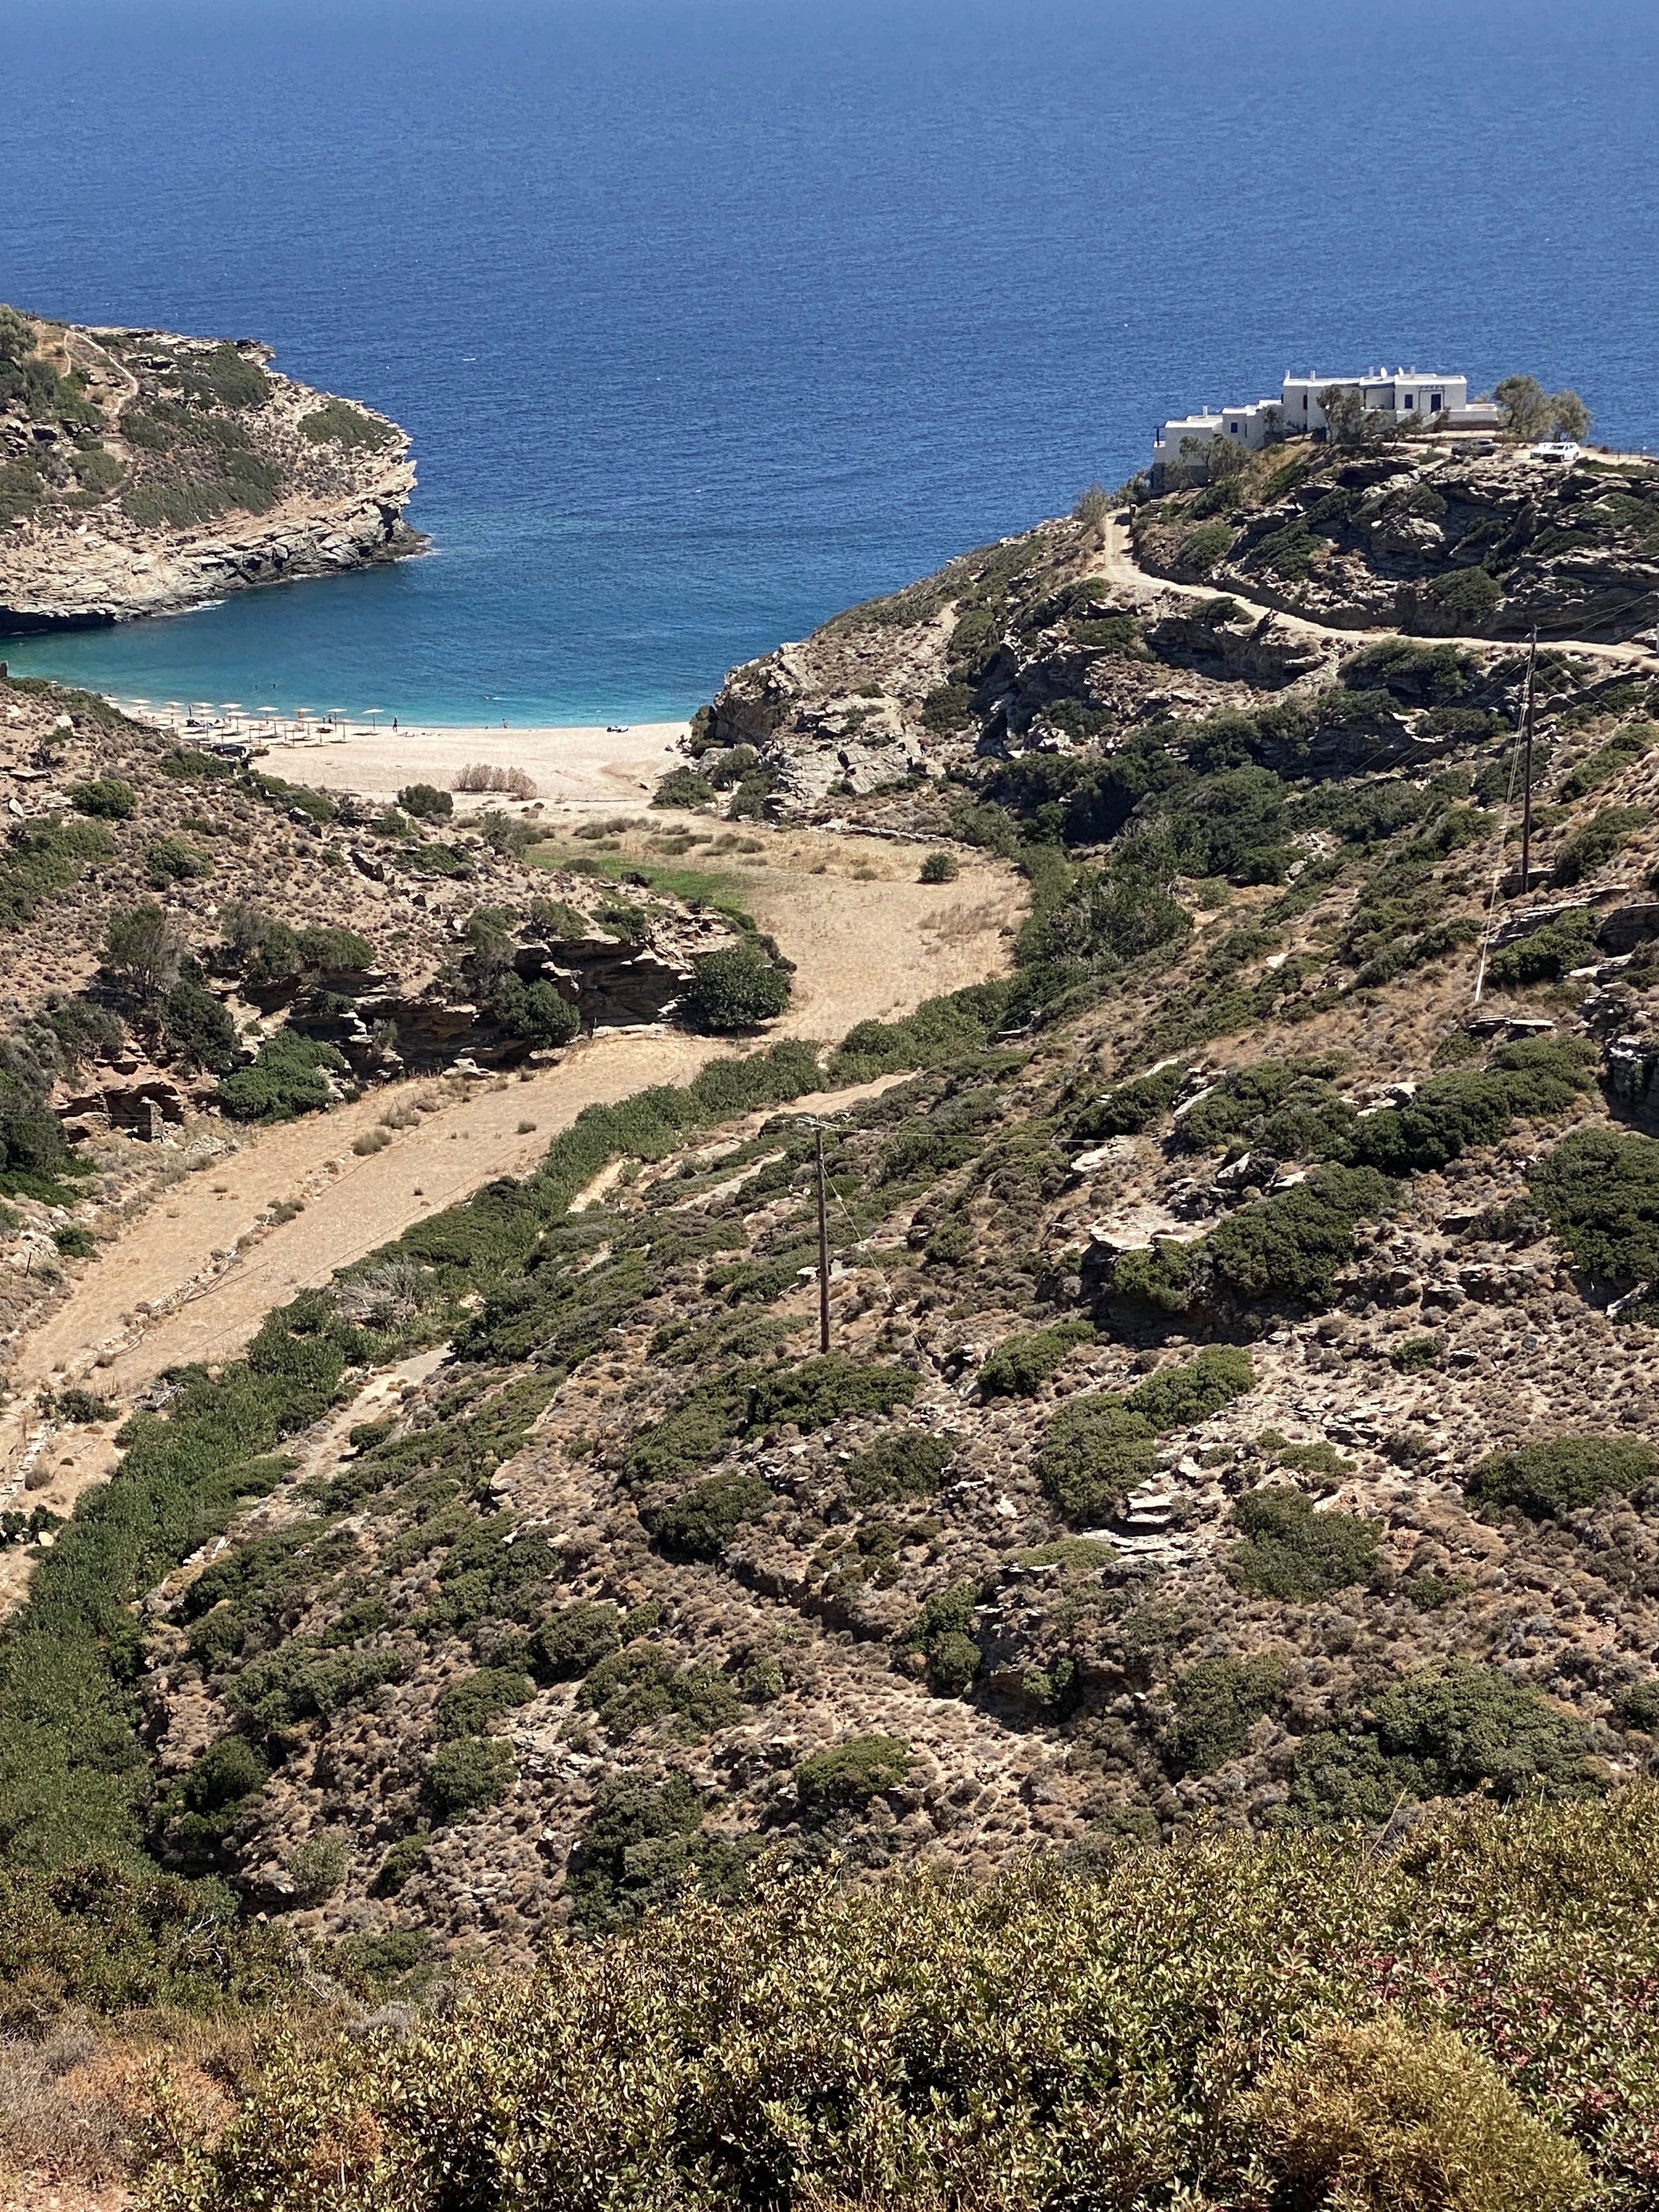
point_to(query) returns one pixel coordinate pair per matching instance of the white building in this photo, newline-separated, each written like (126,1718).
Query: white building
(1401,392)
(1406,395)
(1248,426)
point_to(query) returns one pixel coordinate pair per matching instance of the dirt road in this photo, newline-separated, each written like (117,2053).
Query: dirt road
(193,1278)
(1119,565)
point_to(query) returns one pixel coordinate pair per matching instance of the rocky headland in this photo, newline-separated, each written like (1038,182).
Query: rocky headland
(143,472)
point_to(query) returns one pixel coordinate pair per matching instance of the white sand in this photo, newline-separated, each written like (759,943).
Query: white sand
(580,763)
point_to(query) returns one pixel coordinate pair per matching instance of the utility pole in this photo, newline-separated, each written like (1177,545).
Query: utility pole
(823,1254)
(1526,772)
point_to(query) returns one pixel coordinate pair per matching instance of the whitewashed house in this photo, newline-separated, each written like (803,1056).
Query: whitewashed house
(1408,395)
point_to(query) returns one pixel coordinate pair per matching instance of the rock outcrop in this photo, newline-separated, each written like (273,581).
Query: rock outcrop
(147,472)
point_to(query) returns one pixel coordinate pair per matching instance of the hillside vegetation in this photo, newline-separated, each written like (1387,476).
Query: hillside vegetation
(1159,1711)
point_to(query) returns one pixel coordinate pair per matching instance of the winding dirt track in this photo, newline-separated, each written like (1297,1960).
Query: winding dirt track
(193,1277)
(1119,566)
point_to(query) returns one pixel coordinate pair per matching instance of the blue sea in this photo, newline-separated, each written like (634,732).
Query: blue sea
(709,317)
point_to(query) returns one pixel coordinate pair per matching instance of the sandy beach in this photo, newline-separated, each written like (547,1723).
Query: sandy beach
(576,763)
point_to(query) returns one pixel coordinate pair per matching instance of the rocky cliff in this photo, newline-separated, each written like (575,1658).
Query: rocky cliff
(1437,542)
(142,472)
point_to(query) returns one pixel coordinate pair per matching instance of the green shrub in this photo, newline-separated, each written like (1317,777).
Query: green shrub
(570,1643)
(941,868)
(79,1405)
(286,1080)
(468,1776)
(1095,1453)
(1403,2117)
(1547,954)
(537,1011)
(643,1849)
(107,797)
(1286,1249)
(735,988)
(426,802)
(1621,750)
(197,1026)
(943,1630)
(280,955)
(683,787)
(1020,1363)
(1443,1731)
(639,1685)
(1132,1106)
(1181,1397)
(406,1858)
(75,1243)
(171,860)
(467,1707)
(225,374)
(1202,551)
(701,1523)
(338,423)
(42,858)
(852,1772)
(1600,1189)
(1416,1353)
(1564,1475)
(1466,596)
(223,1775)
(952,1663)
(1291,1552)
(907,1464)
(1217,1701)
(819,1391)
(317,1868)
(1587,851)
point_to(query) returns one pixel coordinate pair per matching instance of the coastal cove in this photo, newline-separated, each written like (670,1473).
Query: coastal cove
(708,320)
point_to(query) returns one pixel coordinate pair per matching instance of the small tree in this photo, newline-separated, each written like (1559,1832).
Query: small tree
(142,951)
(1094,504)
(1526,407)
(941,868)
(1570,418)
(1344,414)
(735,988)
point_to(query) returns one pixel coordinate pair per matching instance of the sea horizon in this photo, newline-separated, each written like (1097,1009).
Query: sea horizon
(708,319)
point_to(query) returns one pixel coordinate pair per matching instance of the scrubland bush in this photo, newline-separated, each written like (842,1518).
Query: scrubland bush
(852,1772)
(702,1522)
(466,1776)
(735,988)
(1020,1363)
(1563,1475)
(509,782)
(104,797)
(1387,2116)
(287,1078)
(1600,1190)
(1292,1552)
(426,802)
(1442,1731)
(941,868)
(1200,2025)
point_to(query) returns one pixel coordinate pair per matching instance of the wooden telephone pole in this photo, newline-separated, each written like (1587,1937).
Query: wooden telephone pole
(823,1254)
(1526,771)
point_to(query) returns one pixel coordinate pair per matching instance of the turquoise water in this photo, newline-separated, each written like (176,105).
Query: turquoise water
(709,317)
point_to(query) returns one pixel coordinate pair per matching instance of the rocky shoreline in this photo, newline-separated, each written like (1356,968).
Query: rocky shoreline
(139,488)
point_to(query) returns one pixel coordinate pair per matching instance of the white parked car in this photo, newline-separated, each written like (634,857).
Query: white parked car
(1558,449)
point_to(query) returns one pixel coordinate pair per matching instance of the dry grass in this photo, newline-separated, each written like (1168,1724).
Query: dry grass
(510,783)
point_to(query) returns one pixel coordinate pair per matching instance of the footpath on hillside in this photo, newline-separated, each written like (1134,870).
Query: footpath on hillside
(1119,566)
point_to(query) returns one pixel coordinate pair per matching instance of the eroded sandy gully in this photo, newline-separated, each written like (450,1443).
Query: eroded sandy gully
(193,1277)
